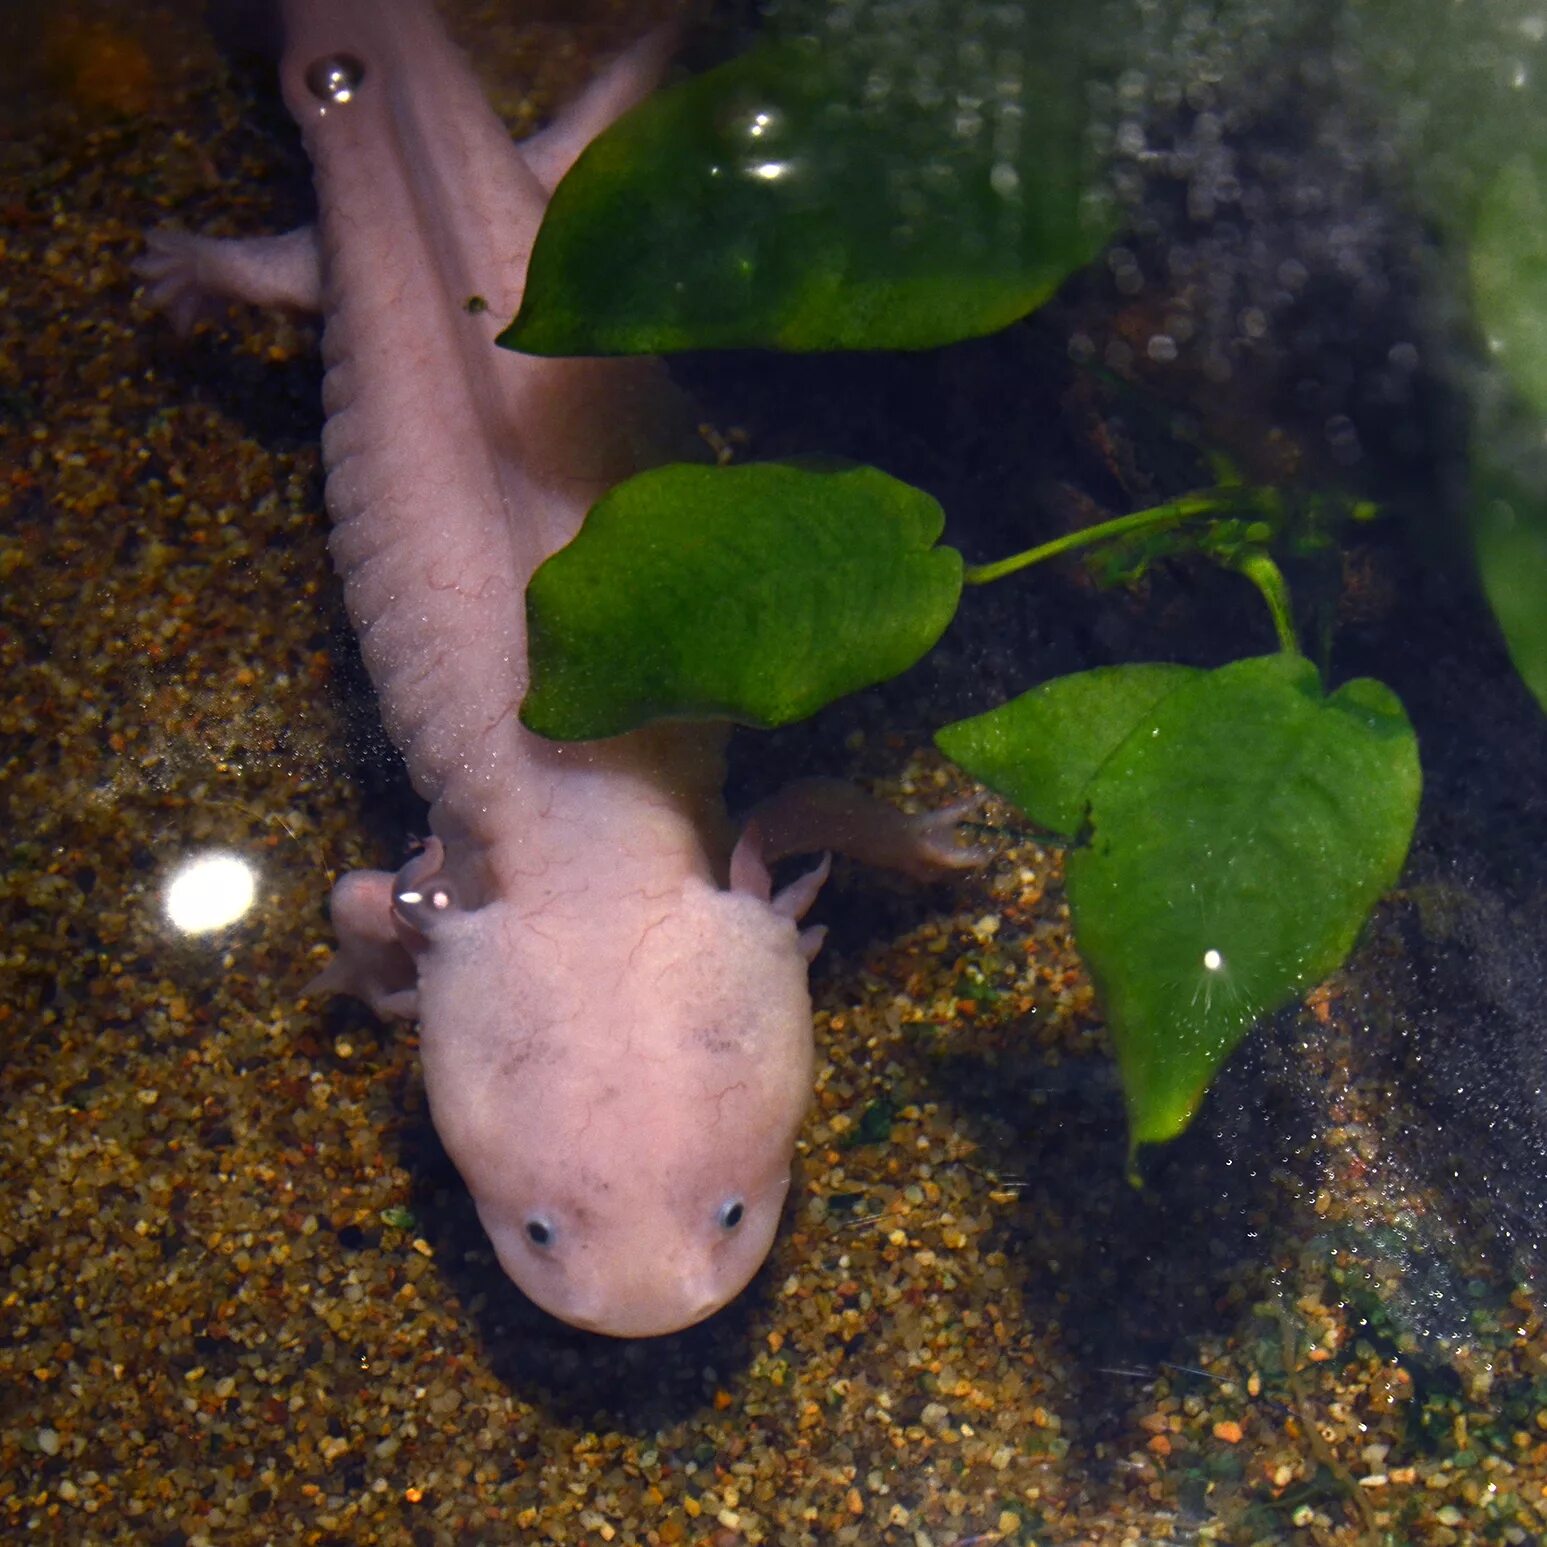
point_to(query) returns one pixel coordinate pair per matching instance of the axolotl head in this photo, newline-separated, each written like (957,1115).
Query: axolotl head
(621,1098)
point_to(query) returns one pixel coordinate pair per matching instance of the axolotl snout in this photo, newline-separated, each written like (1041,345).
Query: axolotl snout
(614,1014)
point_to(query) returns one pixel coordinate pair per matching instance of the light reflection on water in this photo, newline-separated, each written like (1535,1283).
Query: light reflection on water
(209,891)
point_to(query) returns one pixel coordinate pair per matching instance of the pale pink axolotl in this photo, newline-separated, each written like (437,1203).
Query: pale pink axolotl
(615,1021)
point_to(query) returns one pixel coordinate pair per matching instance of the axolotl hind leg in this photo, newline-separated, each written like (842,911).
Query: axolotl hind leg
(815,814)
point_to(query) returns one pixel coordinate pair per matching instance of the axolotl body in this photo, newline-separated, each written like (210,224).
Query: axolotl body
(614,1011)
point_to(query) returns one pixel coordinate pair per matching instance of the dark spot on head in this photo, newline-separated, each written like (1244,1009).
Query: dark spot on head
(532,1052)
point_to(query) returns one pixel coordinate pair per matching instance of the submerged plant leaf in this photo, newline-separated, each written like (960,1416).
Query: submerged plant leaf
(1509,471)
(755,593)
(1042,750)
(788,200)
(1509,537)
(1509,273)
(1240,836)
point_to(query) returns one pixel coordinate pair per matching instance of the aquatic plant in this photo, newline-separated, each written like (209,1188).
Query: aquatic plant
(1230,830)
(1461,89)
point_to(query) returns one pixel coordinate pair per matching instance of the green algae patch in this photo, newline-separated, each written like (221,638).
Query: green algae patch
(780,201)
(756,594)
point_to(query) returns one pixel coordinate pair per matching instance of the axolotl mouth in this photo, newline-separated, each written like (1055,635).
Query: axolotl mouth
(643,1290)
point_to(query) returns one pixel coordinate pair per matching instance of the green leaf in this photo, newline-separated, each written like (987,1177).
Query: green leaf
(785,200)
(1241,835)
(1509,536)
(756,593)
(1509,273)
(1509,471)
(1042,750)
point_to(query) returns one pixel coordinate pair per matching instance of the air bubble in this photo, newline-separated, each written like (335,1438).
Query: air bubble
(335,78)
(1004,179)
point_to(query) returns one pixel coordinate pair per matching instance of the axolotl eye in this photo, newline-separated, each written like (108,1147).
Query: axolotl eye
(732,1212)
(538,1231)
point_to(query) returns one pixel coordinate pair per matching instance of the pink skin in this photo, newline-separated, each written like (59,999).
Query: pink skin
(614,1014)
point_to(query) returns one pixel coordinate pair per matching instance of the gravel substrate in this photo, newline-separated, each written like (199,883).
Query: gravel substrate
(244,1299)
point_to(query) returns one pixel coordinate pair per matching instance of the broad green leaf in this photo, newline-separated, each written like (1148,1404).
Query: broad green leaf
(1466,89)
(1041,750)
(1509,273)
(1240,836)
(800,198)
(755,593)
(1509,536)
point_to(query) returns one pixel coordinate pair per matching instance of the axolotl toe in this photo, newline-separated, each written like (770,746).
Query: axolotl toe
(614,1015)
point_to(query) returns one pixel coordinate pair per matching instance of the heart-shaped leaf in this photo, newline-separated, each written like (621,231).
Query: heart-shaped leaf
(755,593)
(791,199)
(1240,836)
(1042,750)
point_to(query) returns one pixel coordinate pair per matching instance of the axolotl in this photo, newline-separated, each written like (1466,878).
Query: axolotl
(614,1014)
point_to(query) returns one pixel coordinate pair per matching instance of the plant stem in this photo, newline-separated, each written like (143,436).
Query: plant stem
(1184,509)
(1255,565)
(1269,579)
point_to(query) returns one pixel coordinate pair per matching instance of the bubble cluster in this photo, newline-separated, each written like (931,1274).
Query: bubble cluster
(983,86)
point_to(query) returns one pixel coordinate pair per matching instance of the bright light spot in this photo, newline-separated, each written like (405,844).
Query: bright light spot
(210,892)
(770,171)
(1212,960)
(759,125)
